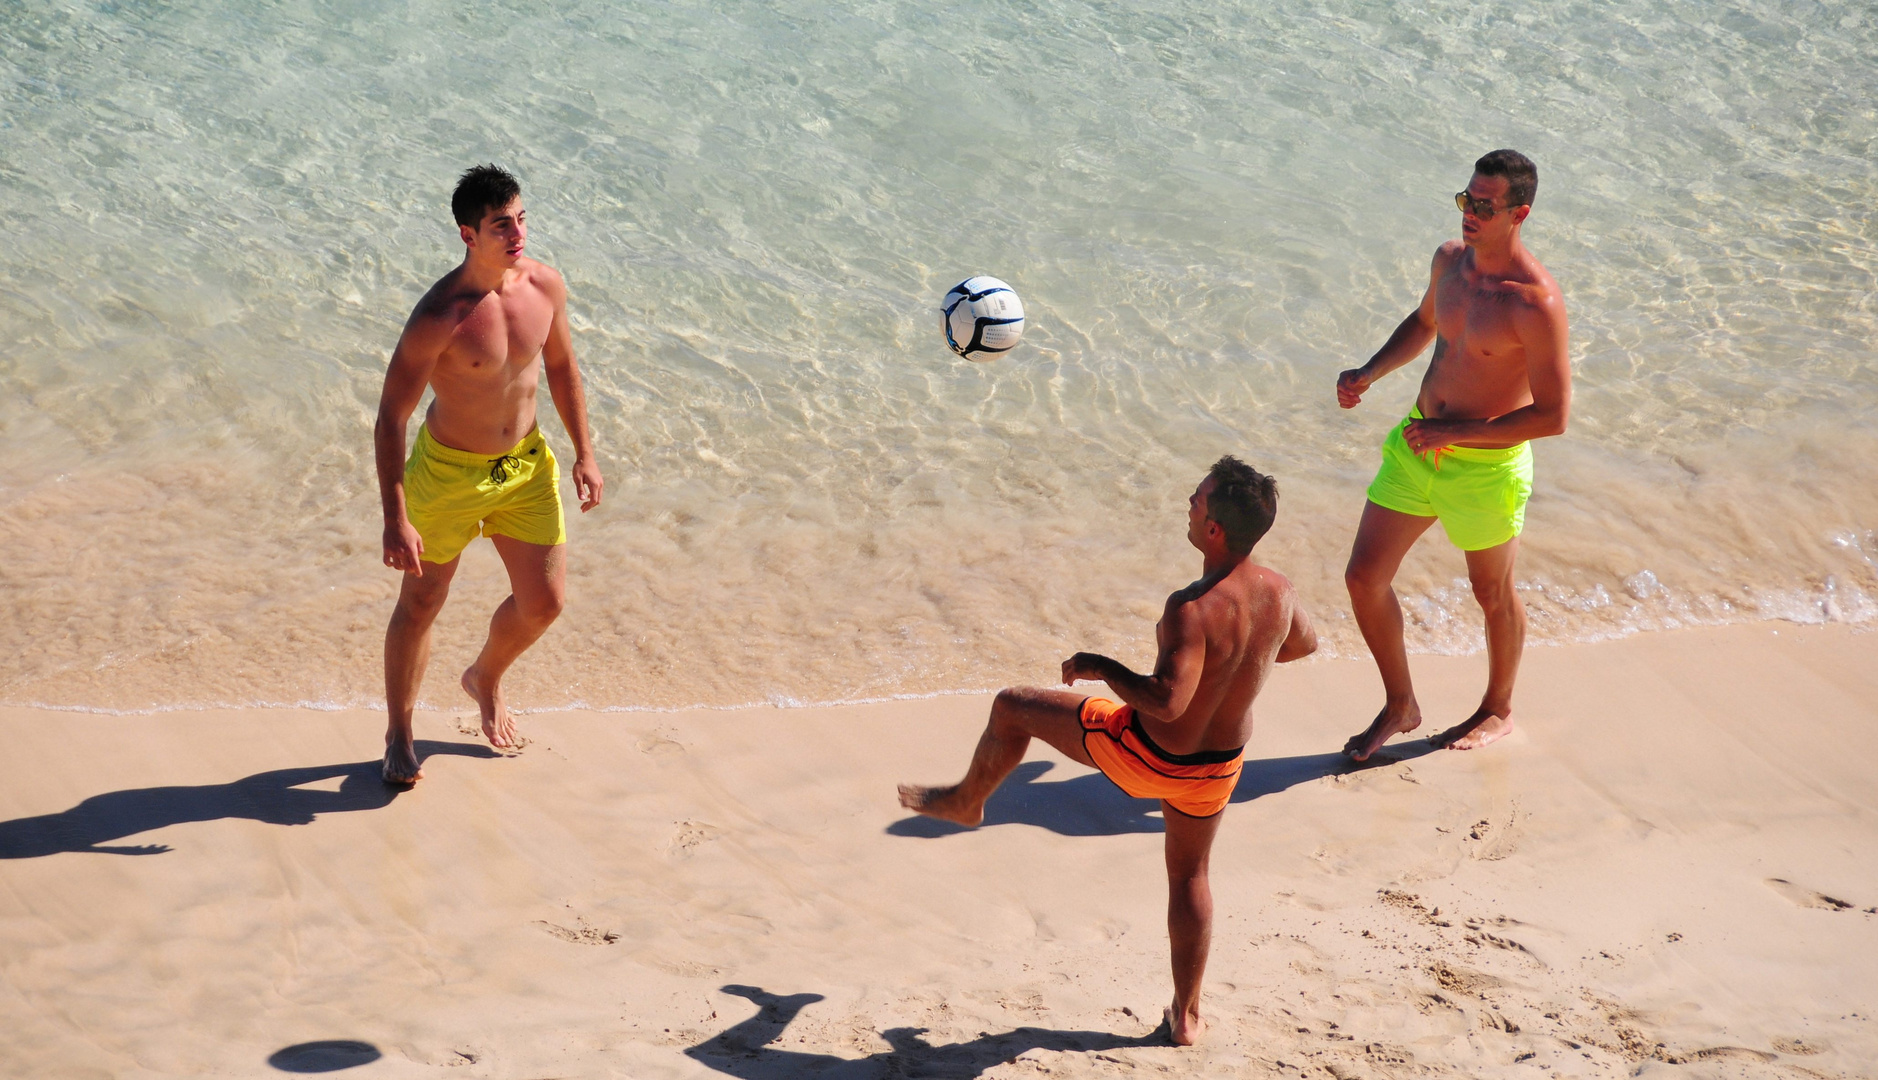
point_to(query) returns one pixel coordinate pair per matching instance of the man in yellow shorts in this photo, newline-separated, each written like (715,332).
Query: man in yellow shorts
(479,339)
(1178,734)
(1500,377)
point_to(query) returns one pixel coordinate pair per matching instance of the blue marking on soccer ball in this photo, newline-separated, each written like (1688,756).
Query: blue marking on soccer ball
(982,317)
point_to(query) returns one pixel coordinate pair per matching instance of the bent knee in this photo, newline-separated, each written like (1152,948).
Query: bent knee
(1010,704)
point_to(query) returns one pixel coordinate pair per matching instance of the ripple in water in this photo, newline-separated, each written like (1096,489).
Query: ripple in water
(223,215)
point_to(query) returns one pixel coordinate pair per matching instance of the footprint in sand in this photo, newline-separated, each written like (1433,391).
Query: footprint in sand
(1801,896)
(1494,838)
(658,745)
(580,933)
(1731,1053)
(1459,980)
(689,836)
(1800,1047)
(689,969)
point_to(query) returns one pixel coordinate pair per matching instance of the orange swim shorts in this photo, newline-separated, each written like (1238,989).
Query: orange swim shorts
(1198,784)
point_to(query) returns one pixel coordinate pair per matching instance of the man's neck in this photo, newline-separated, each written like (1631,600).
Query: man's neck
(480,276)
(1497,260)
(1218,564)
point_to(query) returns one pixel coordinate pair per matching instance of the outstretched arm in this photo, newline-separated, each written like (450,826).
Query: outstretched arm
(1411,336)
(570,397)
(412,362)
(1164,695)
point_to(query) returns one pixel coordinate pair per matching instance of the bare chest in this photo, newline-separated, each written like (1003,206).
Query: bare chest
(1475,318)
(499,335)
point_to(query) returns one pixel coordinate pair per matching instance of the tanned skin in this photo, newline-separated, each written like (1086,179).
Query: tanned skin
(1500,376)
(1218,639)
(479,339)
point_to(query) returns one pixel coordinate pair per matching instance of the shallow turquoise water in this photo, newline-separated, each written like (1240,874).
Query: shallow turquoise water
(221,216)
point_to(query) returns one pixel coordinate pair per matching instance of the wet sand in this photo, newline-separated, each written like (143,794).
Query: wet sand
(1666,871)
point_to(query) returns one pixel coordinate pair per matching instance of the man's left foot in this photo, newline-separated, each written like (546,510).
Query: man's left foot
(944,803)
(1476,731)
(1184,1029)
(400,767)
(498,726)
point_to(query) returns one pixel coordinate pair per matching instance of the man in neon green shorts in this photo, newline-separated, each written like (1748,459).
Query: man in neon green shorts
(1499,378)
(480,340)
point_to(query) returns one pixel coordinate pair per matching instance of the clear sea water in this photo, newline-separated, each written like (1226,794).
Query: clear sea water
(218,216)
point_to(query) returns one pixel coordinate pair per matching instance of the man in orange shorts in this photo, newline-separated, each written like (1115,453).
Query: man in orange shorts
(1178,734)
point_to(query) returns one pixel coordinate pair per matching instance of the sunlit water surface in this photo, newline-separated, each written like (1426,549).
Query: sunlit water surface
(219,216)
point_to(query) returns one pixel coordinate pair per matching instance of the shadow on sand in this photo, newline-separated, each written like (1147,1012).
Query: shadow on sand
(743,1050)
(327,1055)
(274,797)
(1091,804)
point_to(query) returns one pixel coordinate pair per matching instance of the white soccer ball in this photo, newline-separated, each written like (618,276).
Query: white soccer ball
(982,317)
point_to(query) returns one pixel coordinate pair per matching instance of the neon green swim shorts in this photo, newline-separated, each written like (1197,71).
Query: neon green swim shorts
(453,496)
(1479,495)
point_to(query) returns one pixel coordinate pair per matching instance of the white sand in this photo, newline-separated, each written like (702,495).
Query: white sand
(1598,895)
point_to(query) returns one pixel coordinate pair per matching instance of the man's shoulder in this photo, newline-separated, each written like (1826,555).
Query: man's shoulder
(543,277)
(1247,581)
(1539,294)
(1449,253)
(445,301)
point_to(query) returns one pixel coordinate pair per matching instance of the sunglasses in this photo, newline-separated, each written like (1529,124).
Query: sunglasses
(1480,208)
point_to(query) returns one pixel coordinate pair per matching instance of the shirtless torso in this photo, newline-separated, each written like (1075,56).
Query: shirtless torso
(480,339)
(1216,643)
(484,346)
(1500,377)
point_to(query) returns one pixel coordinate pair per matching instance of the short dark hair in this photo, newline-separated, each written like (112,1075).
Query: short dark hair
(1244,502)
(1522,176)
(479,190)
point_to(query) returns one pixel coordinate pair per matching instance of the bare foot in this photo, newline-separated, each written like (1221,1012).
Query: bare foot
(498,726)
(1185,1028)
(1381,730)
(944,803)
(400,765)
(1476,731)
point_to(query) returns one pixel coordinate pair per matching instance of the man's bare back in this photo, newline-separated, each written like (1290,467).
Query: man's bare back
(1178,732)
(1237,622)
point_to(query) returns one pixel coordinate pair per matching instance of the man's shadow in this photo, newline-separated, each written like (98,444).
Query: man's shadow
(274,797)
(1091,804)
(743,1049)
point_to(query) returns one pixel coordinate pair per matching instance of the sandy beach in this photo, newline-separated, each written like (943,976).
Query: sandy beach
(1667,871)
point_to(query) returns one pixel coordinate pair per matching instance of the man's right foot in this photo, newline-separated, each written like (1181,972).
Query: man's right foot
(400,765)
(1386,726)
(944,803)
(1183,1028)
(498,725)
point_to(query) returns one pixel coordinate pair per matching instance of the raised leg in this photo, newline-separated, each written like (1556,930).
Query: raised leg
(1189,916)
(407,654)
(1017,716)
(1491,574)
(1383,537)
(538,584)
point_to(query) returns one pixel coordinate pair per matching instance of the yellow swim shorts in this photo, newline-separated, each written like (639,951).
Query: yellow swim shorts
(1479,495)
(453,496)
